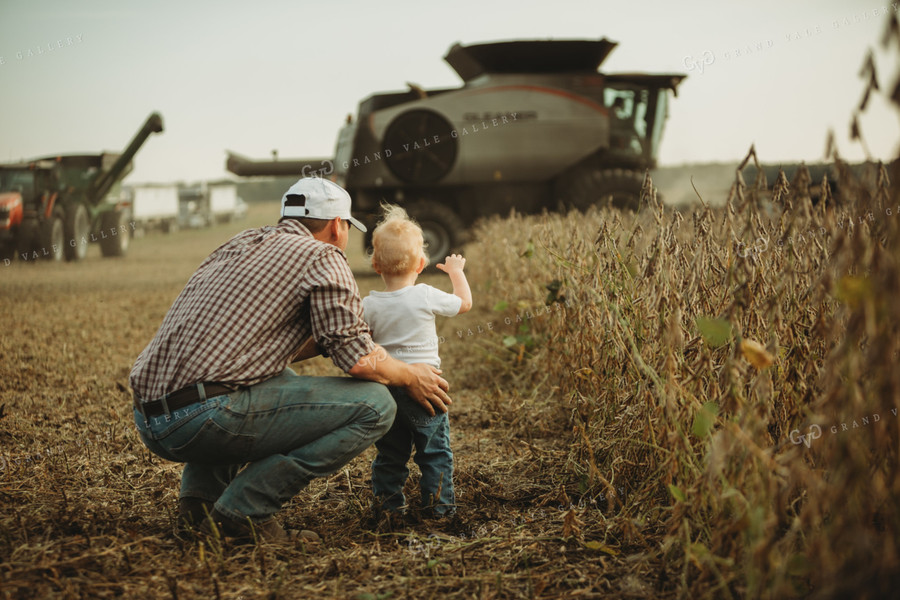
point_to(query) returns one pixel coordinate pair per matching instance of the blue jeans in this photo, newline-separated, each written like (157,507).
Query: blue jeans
(283,432)
(430,436)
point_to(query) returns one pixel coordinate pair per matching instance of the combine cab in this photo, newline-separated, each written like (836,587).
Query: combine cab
(534,126)
(53,207)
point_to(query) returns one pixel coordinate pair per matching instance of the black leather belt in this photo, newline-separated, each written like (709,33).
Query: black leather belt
(180,398)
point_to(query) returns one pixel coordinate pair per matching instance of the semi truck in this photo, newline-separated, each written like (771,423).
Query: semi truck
(207,203)
(155,207)
(223,202)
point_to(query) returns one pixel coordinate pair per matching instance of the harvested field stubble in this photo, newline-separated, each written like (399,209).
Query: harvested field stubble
(651,406)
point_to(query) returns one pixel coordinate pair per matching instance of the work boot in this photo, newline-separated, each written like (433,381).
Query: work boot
(390,521)
(269,531)
(192,513)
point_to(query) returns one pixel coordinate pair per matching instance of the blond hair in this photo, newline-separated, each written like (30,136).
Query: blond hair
(397,242)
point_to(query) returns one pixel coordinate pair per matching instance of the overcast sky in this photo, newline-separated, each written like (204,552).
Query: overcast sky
(253,76)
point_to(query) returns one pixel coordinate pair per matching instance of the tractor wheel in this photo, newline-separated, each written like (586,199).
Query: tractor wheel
(586,186)
(52,238)
(7,251)
(114,224)
(77,229)
(441,228)
(27,239)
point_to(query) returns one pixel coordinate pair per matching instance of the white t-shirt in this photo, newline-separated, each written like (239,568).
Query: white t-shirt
(403,321)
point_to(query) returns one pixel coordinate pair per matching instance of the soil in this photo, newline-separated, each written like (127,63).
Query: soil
(87,512)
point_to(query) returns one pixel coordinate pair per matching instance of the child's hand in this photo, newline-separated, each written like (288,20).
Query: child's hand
(453,266)
(454,262)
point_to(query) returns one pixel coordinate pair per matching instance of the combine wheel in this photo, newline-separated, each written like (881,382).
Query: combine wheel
(77,229)
(586,186)
(441,228)
(367,240)
(114,224)
(52,238)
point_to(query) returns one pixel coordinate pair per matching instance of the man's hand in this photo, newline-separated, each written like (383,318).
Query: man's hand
(423,382)
(428,388)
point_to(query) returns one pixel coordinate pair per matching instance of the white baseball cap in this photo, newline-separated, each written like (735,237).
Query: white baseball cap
(318,198)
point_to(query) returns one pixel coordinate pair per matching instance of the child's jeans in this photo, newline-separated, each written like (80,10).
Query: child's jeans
(414,427)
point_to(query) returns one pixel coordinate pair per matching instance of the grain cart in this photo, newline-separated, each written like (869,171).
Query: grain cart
(535,126)
(53,207)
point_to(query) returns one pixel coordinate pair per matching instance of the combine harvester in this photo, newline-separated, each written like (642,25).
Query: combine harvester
(535,126)
(53,207)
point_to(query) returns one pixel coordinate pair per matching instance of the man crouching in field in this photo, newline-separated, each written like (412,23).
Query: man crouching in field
(213,389)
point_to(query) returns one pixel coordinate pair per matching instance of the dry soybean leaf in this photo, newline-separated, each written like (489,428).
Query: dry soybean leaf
(853,290)
(601,547)
(756,354)
(584,373)
(571,524)
(699,550)
(798,565)
(310,536)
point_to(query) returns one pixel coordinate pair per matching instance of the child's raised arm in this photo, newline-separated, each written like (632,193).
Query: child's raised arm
(453,266)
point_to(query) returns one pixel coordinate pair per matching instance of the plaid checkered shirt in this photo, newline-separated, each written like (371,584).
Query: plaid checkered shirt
(248,308)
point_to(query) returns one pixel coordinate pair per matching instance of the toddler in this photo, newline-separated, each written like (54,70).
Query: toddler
(402,321)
